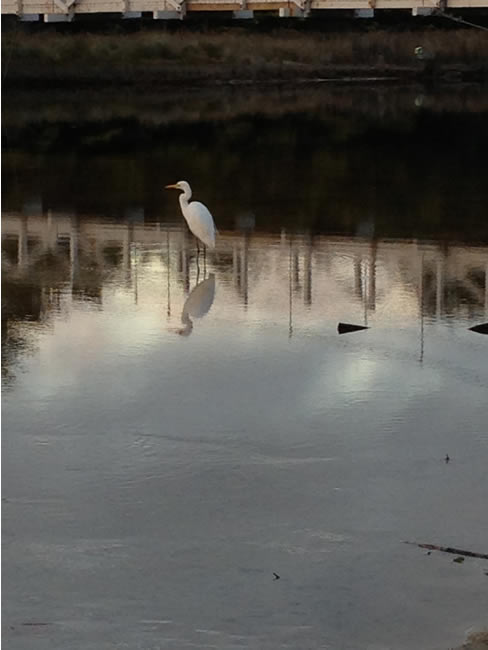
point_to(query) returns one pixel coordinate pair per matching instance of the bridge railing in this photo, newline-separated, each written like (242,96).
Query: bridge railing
(65,10)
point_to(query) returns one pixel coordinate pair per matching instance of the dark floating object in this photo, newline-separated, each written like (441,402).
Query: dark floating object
(447,459)
(480,329)
(276,576)
(459,559)
(344,328)
(450,549)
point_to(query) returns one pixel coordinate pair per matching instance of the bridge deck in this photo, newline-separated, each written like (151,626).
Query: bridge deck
(65,10)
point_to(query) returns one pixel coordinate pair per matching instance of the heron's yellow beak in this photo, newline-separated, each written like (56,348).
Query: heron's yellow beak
(169,187)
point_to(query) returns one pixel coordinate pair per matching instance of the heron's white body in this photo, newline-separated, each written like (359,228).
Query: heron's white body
(197,215)
(199,221)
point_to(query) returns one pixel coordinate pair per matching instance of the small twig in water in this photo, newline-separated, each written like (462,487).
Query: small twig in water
(450,549)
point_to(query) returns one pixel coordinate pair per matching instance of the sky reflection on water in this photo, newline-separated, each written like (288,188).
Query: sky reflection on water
(154,481)
(57,263)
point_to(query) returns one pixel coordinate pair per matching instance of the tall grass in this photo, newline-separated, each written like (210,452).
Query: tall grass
(230,52)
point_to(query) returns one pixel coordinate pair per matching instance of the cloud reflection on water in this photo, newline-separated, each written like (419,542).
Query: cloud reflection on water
(56,265)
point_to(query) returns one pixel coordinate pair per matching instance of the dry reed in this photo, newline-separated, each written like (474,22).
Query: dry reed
(232,53)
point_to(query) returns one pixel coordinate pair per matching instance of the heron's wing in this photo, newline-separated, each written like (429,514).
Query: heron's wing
(201,223)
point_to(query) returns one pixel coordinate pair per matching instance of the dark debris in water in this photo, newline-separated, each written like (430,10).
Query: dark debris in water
(450,549)
(344,328)
(480,329)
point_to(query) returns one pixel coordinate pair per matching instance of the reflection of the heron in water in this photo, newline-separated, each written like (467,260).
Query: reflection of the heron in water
(197,304)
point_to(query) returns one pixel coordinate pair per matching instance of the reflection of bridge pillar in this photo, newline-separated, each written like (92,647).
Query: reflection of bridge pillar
(52,234)
(439,289)
(307,272)
(327,256)
(372,278)
(184,261)
(486,290)
(22,252)
(358,277)
(134,275)
(235,264)
(296,272)
(245,269)
(126,249)
(421,303)
(74,241)
(168,273)
(240,267)
(99,245)
(290,289)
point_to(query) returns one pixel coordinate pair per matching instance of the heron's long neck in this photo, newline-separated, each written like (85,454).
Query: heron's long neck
(185,196)
(185,319)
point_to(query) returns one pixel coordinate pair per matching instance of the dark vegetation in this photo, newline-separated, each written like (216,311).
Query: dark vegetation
(121,114)
(185,54)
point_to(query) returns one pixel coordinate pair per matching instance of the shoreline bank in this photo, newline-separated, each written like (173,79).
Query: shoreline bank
(149,59)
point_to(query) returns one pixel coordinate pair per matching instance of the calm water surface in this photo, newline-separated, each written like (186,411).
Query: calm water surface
(177,429)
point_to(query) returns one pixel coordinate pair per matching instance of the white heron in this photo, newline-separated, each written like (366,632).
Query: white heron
(197,215)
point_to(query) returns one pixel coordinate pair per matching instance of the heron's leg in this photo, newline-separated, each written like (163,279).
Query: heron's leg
(204,260)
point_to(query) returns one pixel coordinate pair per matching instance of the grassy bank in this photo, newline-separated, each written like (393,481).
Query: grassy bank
(227,54)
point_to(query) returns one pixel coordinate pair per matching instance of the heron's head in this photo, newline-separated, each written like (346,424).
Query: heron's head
(183,186)
(188,325)
(187,330)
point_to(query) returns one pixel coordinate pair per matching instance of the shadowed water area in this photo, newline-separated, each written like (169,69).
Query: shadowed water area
(192,455)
